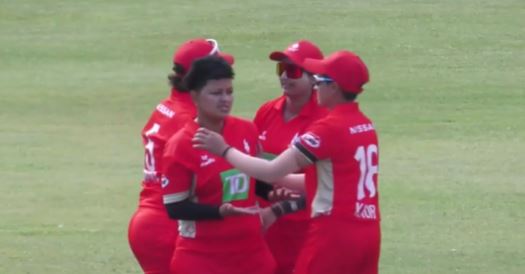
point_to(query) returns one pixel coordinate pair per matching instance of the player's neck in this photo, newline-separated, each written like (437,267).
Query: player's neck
(337,101)
(210,123)
(294,105)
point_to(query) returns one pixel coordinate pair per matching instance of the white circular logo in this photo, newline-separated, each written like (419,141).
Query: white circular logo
(164,182)
(311,139)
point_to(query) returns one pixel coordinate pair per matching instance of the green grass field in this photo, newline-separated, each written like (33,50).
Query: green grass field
(79,78)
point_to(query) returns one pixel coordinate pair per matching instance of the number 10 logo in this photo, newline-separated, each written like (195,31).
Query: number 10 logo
(236,185)
(368,170)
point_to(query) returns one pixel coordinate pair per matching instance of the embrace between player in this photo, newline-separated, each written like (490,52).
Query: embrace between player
(333,158)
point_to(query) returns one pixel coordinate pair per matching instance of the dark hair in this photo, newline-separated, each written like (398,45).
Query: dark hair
(207,68)
(349,97)
(176,78)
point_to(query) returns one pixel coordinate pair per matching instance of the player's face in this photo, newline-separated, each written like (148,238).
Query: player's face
(294,81)
(215,99)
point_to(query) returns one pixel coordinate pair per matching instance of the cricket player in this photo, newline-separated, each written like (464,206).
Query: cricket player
(279,121)
(214,203)
(151,232)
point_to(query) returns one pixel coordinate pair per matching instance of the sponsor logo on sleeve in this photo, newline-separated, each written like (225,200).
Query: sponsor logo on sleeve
(311,139)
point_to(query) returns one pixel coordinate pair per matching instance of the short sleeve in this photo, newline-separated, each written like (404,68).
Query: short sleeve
(175,125)
(317,142)
(178,170)
(176,183)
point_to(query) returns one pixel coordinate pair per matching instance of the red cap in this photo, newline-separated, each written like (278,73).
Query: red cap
(297,52)
(344,67)
(194,49)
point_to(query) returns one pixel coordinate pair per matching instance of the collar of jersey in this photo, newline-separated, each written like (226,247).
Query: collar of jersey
(307,110)
(345,108)
(180,96)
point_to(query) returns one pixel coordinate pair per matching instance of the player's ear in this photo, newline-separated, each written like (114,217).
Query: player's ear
(336,88)
(311,78)
(194,95)
(331,91)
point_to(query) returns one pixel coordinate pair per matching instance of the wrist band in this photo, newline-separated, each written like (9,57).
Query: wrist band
(288,206)
(223,154)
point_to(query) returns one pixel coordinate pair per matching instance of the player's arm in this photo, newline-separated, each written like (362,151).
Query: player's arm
(294,182)
(262,188)
(289,161)
(176,185)
(188,210)
(285,163)
(288,206)
(270,214)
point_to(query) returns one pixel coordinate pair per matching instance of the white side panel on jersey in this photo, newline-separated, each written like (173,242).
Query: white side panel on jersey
(175,197)
(188,228)
(323,201)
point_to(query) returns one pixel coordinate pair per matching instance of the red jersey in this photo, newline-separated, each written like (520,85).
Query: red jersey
(169,116)
(342,182)
(198,175)
(276,134)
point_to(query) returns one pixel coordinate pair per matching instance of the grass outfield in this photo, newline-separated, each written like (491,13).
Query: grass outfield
(79,78)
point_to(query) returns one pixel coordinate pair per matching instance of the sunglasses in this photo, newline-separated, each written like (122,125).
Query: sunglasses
(292,71)
(322,79)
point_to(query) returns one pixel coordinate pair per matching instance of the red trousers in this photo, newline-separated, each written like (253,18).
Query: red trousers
(285,239)
(338,247)
(152,236)
(259,261)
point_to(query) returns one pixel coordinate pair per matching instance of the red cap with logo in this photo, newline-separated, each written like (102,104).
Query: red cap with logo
(344,67)
(297,52)
(194,49)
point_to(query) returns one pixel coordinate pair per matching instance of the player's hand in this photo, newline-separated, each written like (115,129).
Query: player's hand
(267,217)
(228,209)
(282,193)
(209,140)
